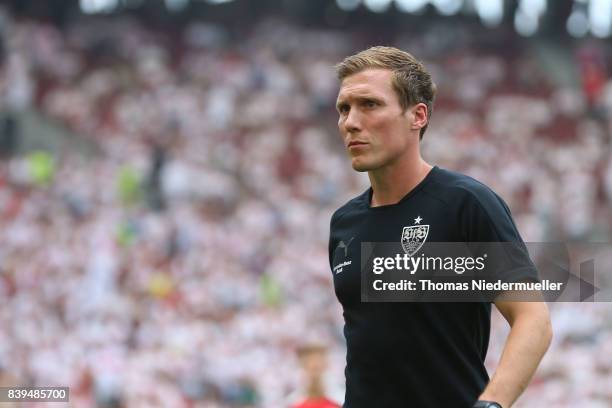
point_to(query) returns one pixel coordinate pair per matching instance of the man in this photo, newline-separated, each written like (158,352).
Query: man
(419,354)
(313,360)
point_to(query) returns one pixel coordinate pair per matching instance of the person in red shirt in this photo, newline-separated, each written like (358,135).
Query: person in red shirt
(313,359)
(317,403)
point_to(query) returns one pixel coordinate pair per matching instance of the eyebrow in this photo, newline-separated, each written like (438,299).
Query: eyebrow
(341,102)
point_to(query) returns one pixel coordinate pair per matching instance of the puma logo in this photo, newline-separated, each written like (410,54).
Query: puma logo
(345,246)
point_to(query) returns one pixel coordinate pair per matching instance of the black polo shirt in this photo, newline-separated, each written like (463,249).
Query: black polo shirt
(417,354)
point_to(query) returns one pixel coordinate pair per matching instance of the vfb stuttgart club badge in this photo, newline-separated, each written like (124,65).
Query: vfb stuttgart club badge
(414,237)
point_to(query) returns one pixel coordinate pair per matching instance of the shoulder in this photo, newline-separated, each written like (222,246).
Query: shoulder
(457,188)
(482,214)
(350,206)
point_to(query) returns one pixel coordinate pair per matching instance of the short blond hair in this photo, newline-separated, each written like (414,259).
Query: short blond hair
(411,81)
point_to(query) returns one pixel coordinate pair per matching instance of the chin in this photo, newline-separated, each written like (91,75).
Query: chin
(361,166)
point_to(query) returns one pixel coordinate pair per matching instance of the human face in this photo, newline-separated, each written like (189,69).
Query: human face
(314,363)
(375,129)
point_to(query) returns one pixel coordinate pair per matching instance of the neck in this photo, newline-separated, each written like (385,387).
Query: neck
(392,182)
(315,388)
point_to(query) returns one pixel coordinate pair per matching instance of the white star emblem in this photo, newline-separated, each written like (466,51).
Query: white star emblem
(418,220)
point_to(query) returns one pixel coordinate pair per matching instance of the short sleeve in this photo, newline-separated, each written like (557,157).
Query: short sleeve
(330,245)
(487,226)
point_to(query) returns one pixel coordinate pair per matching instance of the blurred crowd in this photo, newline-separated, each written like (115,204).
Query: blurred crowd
(185,261)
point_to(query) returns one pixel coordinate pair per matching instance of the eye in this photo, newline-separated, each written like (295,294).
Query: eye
(368,103)
(344,108)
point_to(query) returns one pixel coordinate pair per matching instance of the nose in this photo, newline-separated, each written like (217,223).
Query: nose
(351,121)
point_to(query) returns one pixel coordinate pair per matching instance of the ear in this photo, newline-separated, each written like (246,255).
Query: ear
(419,116)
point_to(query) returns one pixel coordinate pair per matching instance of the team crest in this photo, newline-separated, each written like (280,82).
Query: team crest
(414,237)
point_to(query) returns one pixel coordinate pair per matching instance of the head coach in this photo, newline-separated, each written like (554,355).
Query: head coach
(418,354)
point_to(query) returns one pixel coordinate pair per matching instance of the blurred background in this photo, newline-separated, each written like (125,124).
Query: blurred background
(169,168)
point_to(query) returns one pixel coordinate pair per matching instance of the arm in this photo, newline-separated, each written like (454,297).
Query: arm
(529,338)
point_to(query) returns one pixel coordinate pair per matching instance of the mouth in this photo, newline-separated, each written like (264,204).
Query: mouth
(356,144)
